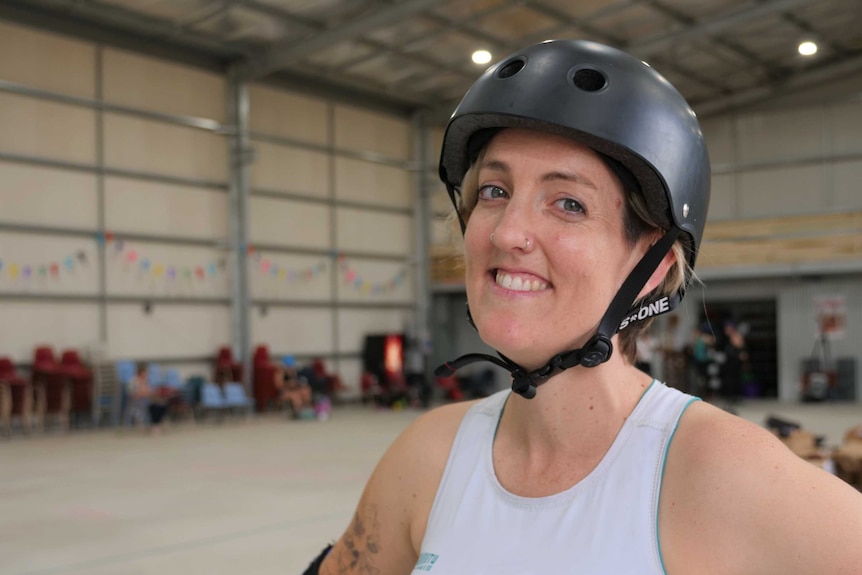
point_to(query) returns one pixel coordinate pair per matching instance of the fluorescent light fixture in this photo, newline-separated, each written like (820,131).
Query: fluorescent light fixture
(807,48)
(481,56)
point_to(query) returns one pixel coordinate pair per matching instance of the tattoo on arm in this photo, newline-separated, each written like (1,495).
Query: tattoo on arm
(360,545)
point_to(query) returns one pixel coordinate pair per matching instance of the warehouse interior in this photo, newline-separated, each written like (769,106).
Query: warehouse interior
(205,184)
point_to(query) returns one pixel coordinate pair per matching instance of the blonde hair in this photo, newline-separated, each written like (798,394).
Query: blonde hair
(637,223)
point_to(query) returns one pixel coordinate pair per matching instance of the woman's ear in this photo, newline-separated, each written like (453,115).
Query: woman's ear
(659,274)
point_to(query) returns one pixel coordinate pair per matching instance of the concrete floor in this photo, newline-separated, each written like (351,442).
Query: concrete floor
(258,495)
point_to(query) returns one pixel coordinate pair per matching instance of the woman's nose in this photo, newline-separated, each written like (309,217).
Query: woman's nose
(514,231)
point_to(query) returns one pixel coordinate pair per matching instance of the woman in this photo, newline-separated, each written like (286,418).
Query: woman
(291,388)
(581,181)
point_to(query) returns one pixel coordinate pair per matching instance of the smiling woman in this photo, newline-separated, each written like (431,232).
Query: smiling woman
(580,180)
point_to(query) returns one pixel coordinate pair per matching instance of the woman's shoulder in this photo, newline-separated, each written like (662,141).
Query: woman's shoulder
(406,478)
(734,494)
(428,439)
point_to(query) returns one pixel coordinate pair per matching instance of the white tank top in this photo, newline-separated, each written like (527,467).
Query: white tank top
(606,524)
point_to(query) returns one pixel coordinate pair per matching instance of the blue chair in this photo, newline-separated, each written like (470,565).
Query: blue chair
(172,379)
(155,375)
(125,371)
(235,397)
(212,399)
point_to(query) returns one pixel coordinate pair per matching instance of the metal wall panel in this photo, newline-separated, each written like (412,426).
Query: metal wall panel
(785,191)
(291,223)
(48,130)
(779,135)
(159,86)
(368,231)
(374,184)
(718,134)
(290,169)
(47,61)
(60,324)
(152,147)
(32,195)
(848,190)
(299,331)
(845,125)
(167,330)
(364,131)
(287,115)
(723,201)
(138,206)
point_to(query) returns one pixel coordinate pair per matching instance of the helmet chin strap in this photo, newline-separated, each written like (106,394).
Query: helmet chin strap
(598,349)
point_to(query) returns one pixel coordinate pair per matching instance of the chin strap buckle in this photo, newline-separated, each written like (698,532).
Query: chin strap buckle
(597,351)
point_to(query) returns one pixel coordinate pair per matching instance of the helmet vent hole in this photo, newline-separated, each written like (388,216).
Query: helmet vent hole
(510,68)
(589,80)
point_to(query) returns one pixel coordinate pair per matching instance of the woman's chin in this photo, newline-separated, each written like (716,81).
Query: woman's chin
(524,351)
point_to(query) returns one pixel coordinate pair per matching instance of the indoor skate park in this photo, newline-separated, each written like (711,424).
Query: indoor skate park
(209,206)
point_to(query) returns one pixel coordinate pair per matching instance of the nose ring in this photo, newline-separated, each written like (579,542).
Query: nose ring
(492,237)
(527,243)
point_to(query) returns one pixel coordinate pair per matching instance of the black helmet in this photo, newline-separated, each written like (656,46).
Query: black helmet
(606,99)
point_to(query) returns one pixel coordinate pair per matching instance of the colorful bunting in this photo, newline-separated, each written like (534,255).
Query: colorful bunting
(12,270)
(145,265)
(351,276)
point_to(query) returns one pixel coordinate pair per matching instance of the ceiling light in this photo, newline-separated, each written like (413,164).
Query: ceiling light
(807,48)
(481,56)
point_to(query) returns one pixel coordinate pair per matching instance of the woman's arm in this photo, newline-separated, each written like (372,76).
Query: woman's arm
(386,530)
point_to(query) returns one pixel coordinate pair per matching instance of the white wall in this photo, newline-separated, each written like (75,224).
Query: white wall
(786,162)
(330,222)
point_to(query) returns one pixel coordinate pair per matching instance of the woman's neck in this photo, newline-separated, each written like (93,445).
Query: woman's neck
(547,444)
(578,406)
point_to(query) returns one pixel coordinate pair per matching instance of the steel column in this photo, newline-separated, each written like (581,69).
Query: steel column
(240,154)
(422,216)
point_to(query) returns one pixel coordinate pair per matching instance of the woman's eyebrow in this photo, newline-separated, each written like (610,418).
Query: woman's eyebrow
(569,177)
(495,165)
(556,175)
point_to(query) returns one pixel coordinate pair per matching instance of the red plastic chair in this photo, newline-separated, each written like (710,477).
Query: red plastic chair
(16,396)
(50,385)
(80,378)
(264,378)
(226,369)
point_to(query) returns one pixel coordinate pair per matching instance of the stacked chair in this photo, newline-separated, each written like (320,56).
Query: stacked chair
(49,387)
(265,392)
(79,379)
(226,369)
(16,397)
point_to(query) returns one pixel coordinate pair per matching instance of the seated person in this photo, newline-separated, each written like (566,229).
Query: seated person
(291,388)
(138,392)
(146,405)
(332,384)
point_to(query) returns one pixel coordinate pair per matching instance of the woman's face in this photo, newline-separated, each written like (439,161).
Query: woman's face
(545,245)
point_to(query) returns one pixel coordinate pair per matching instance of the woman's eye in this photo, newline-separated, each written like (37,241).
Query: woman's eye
(492,193)
(570,205)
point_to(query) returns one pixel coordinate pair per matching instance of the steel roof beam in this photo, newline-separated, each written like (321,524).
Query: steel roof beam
(711,27)
(839,70)
(285,53)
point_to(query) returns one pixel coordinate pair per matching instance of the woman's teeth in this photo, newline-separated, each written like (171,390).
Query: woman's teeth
(519,284)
